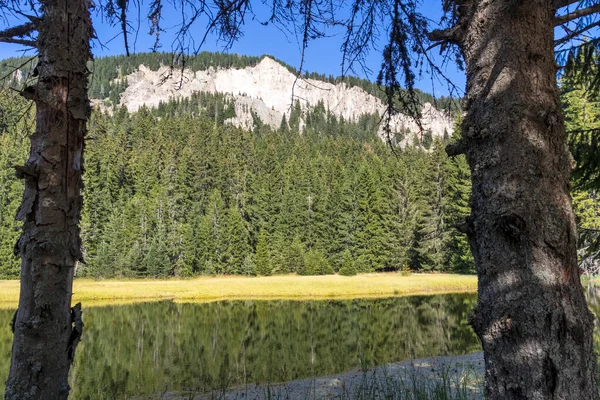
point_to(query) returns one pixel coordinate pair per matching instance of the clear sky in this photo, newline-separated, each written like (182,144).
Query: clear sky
(322,56)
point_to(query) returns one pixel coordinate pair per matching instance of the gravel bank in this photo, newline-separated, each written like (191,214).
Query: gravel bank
(461,375)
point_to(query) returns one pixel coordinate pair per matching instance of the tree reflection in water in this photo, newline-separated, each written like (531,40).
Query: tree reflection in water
(150,348)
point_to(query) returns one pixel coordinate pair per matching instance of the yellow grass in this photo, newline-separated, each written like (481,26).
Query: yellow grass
(92,292)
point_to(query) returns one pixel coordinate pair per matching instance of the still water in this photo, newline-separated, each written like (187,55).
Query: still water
(156,347)
(152,348)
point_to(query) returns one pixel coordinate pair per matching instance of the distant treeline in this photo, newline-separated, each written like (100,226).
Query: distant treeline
(174,191)
(108,78)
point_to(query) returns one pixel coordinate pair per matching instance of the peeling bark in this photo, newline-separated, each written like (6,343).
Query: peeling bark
(46,329)
(531,316)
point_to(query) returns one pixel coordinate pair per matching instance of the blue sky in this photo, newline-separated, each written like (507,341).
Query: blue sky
(323,55)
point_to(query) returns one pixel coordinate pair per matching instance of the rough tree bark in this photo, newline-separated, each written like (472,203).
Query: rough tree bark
(531,314)
(46,328)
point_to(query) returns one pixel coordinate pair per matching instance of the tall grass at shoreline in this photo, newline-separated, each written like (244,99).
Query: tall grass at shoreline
(452,381)
(202,289)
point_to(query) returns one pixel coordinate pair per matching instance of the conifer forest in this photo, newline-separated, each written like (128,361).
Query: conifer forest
(175,191)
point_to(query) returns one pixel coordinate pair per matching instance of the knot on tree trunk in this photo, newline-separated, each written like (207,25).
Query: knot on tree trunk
(512,225)
(456,149)
(466,227)
(25,171)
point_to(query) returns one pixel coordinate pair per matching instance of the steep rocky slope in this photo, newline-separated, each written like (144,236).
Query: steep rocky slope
(267,90)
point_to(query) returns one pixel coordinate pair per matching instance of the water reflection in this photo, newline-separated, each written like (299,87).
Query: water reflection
(150,348)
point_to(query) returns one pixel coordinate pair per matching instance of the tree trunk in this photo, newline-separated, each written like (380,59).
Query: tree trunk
(531,315)
(46,328)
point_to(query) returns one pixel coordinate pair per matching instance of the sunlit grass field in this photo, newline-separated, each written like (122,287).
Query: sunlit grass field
(97,292)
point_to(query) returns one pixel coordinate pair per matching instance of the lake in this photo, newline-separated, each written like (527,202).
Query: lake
(151,348)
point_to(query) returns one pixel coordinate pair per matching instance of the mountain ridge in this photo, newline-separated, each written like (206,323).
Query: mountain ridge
(256,87)
(269,91)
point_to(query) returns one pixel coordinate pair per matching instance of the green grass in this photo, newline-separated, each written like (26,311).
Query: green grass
(202,289)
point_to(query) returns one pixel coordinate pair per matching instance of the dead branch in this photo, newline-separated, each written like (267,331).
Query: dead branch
(8,35)
(573,34)
(564,3)
(583,12)
(450,35)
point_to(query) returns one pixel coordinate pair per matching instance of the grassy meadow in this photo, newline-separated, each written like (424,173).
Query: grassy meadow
(264,288)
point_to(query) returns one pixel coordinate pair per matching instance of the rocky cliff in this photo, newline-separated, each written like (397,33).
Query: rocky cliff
(269,90)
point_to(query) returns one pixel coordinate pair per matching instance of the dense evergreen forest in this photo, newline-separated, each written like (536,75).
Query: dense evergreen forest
(174,191)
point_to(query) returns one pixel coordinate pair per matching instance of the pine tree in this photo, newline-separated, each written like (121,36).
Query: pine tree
(211,234)
(262,258)
(348,267)
(434,226)
(283,126)
(295,118)
(161,185)
(249,266)
(294,256)
(372,236)
(315,263)
(235,242)
(458,175)
(157,261)
(406,204)
(13,150)
(339,212)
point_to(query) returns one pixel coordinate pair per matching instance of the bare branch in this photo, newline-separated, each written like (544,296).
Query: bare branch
(564,3)
(23,42)
(19,31)
(123,19)
(583,12)
(33,18)
(455,149)
(573,34)
(358,38)
(450,35)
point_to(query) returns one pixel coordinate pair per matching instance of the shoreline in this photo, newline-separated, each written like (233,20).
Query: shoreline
(458,374)
(280,287)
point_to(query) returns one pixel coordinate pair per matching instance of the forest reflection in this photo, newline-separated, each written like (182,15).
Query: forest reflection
(151,348)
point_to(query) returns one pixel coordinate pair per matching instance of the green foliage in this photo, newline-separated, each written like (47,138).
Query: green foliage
(461,259)
(587,208)
(263,262)
(157,261)
(294,256)
(236,242)
(249,266)
(344,271)
(174,191)
(14,116)
(405,271)
(315,263)
(348,268)
(581,108)
(295,116)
